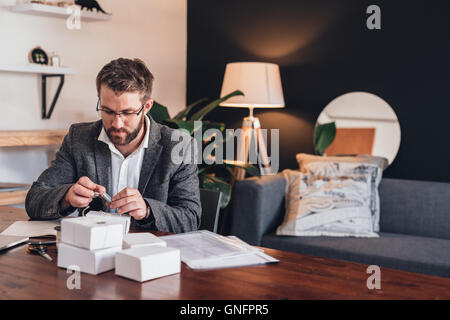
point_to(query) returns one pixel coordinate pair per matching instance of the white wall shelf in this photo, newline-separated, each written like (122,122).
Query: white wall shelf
(35,68)
(45,72)
(59,12)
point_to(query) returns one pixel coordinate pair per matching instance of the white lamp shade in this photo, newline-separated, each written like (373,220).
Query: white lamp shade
(260,82)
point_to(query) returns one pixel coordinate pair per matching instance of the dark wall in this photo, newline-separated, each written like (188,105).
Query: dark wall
(324,49)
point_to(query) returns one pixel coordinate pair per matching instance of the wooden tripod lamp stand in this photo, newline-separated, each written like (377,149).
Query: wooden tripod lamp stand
(261,84)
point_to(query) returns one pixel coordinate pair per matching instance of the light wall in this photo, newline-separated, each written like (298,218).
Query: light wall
(152,30)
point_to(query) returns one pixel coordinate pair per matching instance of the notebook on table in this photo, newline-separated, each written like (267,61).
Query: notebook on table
(7,242)
(37,229)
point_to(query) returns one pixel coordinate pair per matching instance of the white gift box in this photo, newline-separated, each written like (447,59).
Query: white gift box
(141,239)
(93,262)
(149,262)
(92,232)
(115,217)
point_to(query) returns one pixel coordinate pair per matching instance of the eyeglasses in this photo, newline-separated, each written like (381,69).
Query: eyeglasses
(126,115)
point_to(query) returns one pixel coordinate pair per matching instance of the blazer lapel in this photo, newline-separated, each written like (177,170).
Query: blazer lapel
(151,155)
(103,163)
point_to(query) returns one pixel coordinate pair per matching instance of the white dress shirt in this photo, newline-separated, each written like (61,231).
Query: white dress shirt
(125,171)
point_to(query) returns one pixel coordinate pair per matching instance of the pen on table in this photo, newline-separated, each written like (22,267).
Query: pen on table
(38,243)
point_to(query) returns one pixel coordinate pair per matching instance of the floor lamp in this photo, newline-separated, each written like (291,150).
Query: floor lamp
(261,84)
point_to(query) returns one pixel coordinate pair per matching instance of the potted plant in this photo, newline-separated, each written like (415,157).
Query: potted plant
(214,176)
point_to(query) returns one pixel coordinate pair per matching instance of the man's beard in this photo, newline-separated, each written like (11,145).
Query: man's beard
(119,141)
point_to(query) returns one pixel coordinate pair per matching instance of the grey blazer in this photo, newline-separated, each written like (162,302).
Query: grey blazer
(171,189)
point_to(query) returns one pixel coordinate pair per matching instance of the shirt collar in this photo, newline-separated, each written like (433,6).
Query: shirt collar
(144,144)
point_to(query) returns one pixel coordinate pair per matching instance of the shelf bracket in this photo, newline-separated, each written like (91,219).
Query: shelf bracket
(46,115)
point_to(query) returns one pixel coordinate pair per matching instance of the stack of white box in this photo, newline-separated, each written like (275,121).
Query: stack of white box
(98,243)
(146,257)
(90,243)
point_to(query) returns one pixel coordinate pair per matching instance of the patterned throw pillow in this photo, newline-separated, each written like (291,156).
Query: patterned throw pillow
(341,166)
(327,206)
(333,196)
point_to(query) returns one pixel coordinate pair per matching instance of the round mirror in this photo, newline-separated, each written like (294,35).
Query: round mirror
(365,124)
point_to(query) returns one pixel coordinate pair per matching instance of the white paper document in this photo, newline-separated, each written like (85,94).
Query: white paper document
(207,250)
(251,259)
(32,228)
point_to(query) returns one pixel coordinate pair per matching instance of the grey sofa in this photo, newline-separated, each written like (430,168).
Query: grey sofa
(414,225)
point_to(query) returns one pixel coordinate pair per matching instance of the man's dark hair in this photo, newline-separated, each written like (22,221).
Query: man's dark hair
(126,75)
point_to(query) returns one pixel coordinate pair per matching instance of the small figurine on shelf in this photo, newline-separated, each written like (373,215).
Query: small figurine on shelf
(37,55)
(90,5)
(55,61)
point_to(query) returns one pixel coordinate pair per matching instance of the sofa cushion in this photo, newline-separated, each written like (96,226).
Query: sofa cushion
(319,205)
(419,208)
(343,166)
(405,252)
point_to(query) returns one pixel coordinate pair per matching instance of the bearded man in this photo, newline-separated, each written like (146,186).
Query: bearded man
(125,154)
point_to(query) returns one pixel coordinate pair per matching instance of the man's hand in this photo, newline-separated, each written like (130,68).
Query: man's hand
(81,193)
(130,200)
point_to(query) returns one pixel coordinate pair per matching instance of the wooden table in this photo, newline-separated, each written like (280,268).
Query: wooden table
(23,276)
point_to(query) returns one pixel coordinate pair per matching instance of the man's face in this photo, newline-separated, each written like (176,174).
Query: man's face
(123,129)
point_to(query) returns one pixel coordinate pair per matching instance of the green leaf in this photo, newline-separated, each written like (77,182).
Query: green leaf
(213,125)
(217,184)
(217,170)
(249,168)
(226,169)
(187,125)
(170,124)
(184,113)
(159,113)
(324,135)
(211,106)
